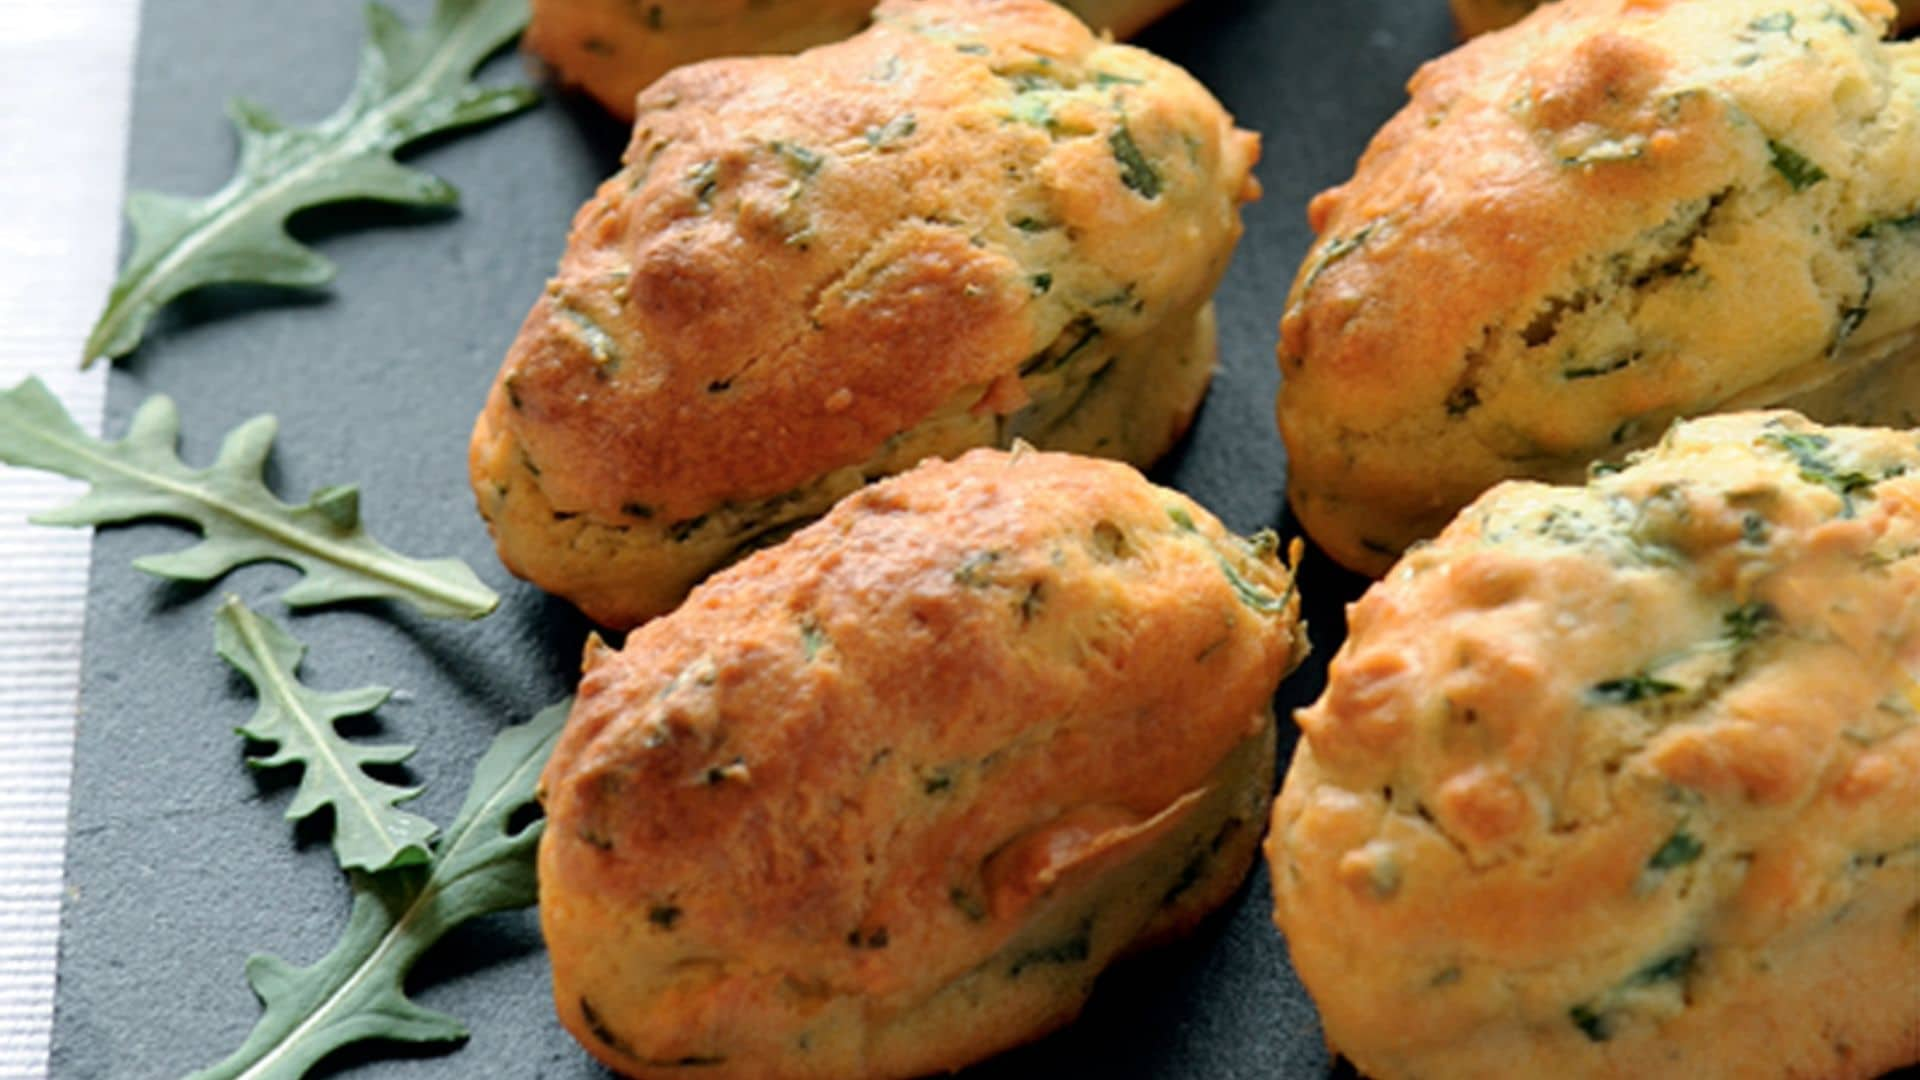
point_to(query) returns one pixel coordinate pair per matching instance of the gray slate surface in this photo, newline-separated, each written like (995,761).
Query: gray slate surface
(179,864)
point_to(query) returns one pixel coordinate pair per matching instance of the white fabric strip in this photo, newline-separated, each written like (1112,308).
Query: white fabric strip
(65,68)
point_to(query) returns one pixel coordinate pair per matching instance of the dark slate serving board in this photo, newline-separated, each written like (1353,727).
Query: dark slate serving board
(179,865)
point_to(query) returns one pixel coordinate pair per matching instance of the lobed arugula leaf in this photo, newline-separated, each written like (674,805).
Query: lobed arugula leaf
(369,831)
(411,85)
(242,521)
(357,991)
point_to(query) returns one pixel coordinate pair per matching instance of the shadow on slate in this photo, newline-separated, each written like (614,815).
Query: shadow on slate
(179,865)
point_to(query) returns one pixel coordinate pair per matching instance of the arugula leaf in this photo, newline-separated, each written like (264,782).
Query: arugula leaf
(411,85)
(243,522)
(357,991)
(369,832)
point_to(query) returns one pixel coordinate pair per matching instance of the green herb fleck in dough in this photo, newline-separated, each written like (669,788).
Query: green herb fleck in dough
(1072,950)
(973,572)
(1135,171)
(969,904)
(1800,171)
(802,160)
(599,1029)
(1680,849)
(892,132)
(1630,689)
(600,344)
(703,179)
(1076,337)
(1609,152)
(1674,966)
(1591,1023)
(1032,602)
(1190,875)
(1462,401)
(1032,110)
(1604,367)
(664,916)
(1747,622)
(1042,283)
(812,639)
(1336,249)
(1780,22)
(1258,599)
(1181,518)
(1808,451)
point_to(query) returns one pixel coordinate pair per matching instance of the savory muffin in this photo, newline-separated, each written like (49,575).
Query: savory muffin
(1624,780)
(886,798)
(613,48)
(972,223)
(1479,16)
(1613,214)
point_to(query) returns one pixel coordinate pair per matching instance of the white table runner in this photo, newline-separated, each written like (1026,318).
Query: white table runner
(65,70)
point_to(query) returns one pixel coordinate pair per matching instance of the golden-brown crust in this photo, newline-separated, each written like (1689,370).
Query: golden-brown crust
(916,747)
(1624,781)
(1476,17)
(1615,213)
(612,49)
(808,258)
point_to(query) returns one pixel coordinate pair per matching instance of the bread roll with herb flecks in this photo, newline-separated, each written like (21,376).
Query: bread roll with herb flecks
(612,49)
(1623,780)
(975,222)
(1616,213)
(885,799)
(1475,17)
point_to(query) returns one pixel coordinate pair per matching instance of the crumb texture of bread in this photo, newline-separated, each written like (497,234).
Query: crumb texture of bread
(973,223)
(612,49)
(1613,214)
(1623,780)
(884,799)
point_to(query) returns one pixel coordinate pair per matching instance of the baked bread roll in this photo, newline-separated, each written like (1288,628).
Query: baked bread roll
(1616,213)
(974,222)
(1476,17)
(886,798)
(1624,780)
(613,48)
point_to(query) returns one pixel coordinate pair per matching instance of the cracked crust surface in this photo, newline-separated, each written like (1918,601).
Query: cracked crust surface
(1616,213)
(885,799)
(612,49)
(1624,780)
(973,222)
